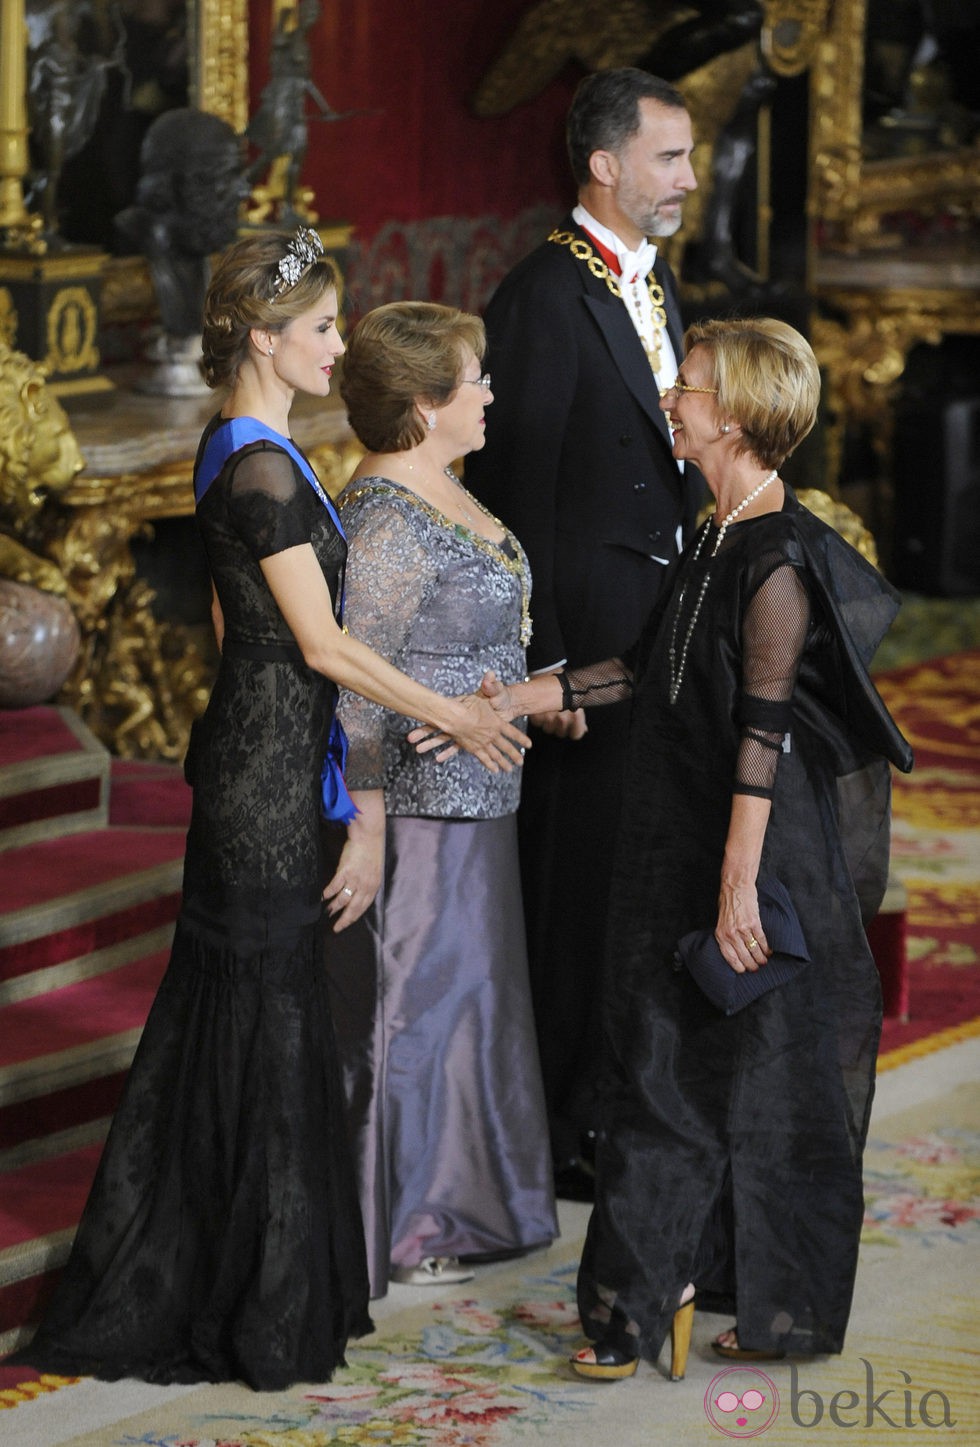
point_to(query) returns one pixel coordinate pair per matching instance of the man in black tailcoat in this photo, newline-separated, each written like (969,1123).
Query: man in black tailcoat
(583,335)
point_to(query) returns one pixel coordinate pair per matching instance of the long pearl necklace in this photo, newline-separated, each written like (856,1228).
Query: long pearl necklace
(677,665)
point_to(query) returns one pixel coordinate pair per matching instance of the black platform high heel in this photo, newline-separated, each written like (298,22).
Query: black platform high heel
(612,1363)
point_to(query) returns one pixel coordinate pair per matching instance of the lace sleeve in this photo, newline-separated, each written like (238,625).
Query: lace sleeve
(774,632)
(596,683)
(388,573)
(272,505)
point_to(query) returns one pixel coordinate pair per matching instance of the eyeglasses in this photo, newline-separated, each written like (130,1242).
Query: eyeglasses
(678,386)
(483,381)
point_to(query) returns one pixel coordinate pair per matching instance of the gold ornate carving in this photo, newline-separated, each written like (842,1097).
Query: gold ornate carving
(842,519)
(138,683)
(850,195)
(790,32)
(597,33)
(72,328)
(220,29)
(8,318)
(334,462)
(127,290)
(862,340)
(39,458)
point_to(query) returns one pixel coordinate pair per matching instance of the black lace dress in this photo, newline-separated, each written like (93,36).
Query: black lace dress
(222,1238)
(730,1149)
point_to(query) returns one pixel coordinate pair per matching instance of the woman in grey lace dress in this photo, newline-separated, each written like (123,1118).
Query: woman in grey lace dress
(429,987)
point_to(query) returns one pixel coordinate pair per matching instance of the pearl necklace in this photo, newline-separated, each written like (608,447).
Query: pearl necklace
(677,667)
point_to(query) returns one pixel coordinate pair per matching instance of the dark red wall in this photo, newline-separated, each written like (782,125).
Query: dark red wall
(419,152)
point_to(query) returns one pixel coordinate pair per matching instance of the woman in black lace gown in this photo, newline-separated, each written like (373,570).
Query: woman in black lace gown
(222,1237)
(729,1160)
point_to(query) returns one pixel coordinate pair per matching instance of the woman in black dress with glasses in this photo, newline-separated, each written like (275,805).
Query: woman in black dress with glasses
(729,1159)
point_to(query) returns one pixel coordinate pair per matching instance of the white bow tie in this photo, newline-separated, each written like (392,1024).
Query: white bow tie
(637,263)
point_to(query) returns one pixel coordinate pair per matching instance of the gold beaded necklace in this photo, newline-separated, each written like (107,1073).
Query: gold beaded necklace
(582,251)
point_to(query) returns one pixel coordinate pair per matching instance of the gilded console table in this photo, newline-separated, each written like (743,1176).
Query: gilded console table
(139,682)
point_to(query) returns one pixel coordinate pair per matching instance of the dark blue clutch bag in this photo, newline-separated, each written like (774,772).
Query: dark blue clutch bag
(699,952)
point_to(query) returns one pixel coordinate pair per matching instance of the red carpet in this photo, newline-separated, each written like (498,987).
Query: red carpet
(91,854)
(936,849)
(35,733)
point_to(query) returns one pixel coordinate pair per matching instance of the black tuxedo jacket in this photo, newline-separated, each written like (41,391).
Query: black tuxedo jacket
(577,459)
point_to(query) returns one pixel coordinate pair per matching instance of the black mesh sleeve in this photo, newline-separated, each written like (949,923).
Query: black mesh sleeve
(596,683)
(272,504)
(774,631)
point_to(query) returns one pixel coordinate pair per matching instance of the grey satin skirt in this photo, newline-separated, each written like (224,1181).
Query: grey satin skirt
(432,1011)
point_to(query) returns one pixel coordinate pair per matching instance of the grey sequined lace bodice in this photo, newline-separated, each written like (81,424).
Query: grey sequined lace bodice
(444,606)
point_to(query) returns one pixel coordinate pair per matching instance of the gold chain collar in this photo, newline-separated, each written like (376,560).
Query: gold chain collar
(582,251)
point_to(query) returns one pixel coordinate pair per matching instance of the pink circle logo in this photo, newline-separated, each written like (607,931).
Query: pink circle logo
(741,1402)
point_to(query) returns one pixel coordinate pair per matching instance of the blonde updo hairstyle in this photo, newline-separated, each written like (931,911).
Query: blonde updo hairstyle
(400,354)
(768,382)
(241,296)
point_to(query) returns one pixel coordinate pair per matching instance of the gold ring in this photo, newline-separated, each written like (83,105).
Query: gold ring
(753,943)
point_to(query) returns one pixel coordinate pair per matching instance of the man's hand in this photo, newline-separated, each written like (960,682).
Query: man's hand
(564,724)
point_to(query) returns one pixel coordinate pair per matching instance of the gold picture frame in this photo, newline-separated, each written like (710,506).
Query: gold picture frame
(219,41)
(850,195)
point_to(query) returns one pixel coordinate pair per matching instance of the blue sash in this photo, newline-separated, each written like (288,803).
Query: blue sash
(229,437)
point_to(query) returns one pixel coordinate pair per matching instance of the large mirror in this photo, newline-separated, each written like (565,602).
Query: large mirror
(131,60)
(894,116)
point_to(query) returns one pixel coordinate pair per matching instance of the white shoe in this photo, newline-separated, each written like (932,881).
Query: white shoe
(432,1271)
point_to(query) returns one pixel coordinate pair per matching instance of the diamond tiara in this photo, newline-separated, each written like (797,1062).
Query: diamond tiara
(304,249)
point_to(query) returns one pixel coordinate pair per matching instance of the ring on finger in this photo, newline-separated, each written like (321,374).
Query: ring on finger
(753,943)
(348,891)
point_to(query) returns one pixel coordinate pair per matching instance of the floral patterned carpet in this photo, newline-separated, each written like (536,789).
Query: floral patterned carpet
(936,847)
(483,1365)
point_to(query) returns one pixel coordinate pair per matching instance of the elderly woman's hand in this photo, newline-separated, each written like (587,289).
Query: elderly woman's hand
(483,729)
(739,931)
